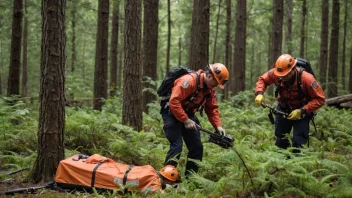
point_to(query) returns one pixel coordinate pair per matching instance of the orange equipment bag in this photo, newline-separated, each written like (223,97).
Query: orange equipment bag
(81,172)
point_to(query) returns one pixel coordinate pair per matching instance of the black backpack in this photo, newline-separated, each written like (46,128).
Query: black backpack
(165,88)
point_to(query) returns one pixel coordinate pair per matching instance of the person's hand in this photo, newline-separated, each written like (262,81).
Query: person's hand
(220,130)
(190,124)
(295,114)
(259,99)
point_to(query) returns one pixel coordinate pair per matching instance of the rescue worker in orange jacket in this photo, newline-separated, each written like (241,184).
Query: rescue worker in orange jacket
(179,115)
(300,105)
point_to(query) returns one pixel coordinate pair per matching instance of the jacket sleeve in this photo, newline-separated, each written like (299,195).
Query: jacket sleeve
(264,81)
(183,87)
(315,92)
(212,110)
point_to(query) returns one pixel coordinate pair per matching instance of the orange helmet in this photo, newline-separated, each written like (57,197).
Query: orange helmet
(220,73)
(169,172)
(284,65)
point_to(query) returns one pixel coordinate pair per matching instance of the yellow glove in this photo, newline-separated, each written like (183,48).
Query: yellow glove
(259,99)
(295,114)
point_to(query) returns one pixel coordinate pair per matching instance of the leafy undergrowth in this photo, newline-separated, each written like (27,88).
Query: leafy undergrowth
(322,170)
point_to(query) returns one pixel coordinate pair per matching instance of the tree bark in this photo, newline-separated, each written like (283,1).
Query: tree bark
(24,91)
(334,49)
(289,25)
(239,69)
(324,36)
(168,45)
(132,93)
(101,56)
(150,48)
(52,92)
(199,49)
(338,99)
(13,86)
(228,44)
(343,76)
(350,79)
(276,39)
(216,31)
(303,27)
(114,47)
(73,39)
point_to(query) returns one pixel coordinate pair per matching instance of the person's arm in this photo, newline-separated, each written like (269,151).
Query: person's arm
(264,81)
(212,110)
(183,88)
(315,93)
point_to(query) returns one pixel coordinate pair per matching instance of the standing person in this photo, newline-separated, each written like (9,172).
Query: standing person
(179,113)
(299,102)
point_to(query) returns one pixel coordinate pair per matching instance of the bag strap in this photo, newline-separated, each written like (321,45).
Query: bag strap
(94,172)
(124,181)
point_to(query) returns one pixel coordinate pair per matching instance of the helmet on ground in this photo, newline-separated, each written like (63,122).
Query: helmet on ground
(169,172)
(284,65)
(220,73)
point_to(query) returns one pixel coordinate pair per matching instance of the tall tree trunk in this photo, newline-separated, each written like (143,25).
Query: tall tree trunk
(334,49)
(324,36)
(13,85)
(24,91)
(121,54)
(276,38)
(199,49)
(228,44)
(270,90)
(101,56)
(350,79)
(73,40)
(216,31)
(303,26)
(239,70)
(114,47)
(132,92)
(168,36)
(289,25)
(150,47)
(343,76)
(179,50)
(52,92)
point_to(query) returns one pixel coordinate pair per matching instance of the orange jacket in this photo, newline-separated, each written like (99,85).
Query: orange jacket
(186,86)
(310,87)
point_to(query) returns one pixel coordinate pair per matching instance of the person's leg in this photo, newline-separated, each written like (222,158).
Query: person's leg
(300,132)
(282,127)
(173,132)
(195,149)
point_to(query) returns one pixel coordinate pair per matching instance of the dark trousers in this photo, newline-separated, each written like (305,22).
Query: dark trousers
(300,127)
(176,133)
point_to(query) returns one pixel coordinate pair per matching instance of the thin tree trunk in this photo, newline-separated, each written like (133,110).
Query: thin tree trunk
(343,81)
(350,79)
(303,23)
(216,31)
(132,92)
(239,70)
(199,49)
(51,149)
(13,86)
(101,56)
(228,44)
(276,42)
(179,50)
(150,48)
(168,36)
(114,47)
(334,49)
(324,36)
(24,91)
(73,40)
(289,25)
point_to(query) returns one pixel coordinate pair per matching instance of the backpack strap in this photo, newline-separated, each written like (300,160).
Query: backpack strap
(278,88)
(299,80)
(194,95)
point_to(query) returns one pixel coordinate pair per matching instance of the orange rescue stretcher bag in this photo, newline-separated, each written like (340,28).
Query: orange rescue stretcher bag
(82,172)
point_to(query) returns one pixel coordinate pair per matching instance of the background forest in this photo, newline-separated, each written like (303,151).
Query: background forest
(113,55)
